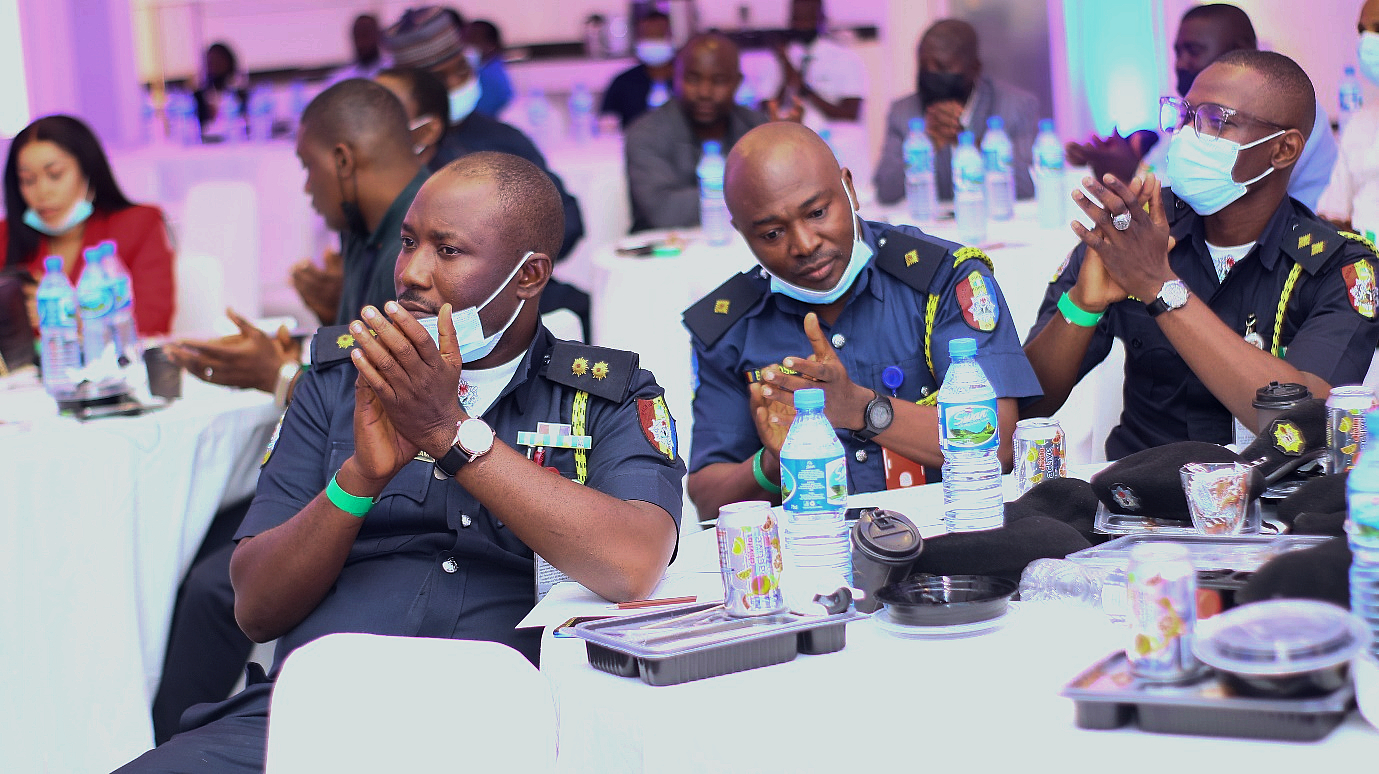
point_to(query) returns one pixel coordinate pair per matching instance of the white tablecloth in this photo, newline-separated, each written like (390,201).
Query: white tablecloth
(100,521)
(884,703)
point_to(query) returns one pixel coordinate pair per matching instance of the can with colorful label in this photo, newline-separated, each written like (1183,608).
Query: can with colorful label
(1345,424)
(749,558)
(1040,452)
(1161,589)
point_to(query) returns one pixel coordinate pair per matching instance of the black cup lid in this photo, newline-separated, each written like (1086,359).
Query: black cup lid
(887,534)
(1280,394)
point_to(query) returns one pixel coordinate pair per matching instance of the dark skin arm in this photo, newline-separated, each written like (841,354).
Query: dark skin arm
(320,288)
(250,358)
(1137,259)
(792,82)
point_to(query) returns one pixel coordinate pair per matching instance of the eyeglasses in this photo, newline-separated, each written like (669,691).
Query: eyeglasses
(1208,118)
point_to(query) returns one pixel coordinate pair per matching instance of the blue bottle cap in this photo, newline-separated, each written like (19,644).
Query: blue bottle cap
(892,377)
(916,124)
(93,254)
(809,399)
(964,347)
(1046,124)
(712,146)
(966,138)
(995,122)
(52,264)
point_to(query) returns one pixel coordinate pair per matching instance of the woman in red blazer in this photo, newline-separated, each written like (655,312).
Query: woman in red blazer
(61,198)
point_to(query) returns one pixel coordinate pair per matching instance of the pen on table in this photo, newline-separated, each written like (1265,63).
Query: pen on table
(638,603)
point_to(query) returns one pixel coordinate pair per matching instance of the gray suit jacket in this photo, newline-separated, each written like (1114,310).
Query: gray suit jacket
(1019,108)
(662,153)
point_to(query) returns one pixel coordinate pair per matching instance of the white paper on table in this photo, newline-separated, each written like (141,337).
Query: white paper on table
(567,600)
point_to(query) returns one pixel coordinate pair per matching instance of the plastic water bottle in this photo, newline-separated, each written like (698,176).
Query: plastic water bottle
(999,155)
(969,435)
(814,494)
(538,115)
(1352,99)
(1059,580)
(1048,177)
(126,332)
(920,191)
(660,94)
(1362,502)
(713,211)
(230,117)
(581,113)
(969,191)
(57,325)
(96,305)
(261,114)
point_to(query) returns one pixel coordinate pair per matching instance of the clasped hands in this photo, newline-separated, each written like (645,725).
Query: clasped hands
(773,397)
(1122,262)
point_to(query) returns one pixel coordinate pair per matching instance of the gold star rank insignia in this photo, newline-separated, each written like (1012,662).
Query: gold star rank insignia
(580,367)
(600,370)
(912,258)
(345,341)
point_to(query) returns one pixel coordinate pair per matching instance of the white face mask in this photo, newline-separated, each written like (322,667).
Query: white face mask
(861,254)
(463,100)
(415,125)
(1201,170)
(654,53)
(469,329)
(1369,56)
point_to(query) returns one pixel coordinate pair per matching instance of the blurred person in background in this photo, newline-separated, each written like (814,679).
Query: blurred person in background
(61,198)
(953,96)
(646,85)
(1351,200)
(827,77)
(484,51)
(368,56)
(220,78)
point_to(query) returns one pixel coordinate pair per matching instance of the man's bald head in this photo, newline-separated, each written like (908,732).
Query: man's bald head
(707,74)
(528,202)
(774,157)
(363,115)
(950,37)
(1286,96)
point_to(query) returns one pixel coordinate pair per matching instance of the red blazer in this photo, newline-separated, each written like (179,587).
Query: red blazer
(141,238)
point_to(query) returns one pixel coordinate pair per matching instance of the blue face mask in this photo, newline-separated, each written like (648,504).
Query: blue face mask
(654,53)
(861,254)
(469,329)
(1369,56)
(463,100)
(1201,171)
(75,217)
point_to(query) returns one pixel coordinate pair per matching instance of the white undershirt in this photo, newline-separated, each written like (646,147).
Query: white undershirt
(1224,258)
(480,387)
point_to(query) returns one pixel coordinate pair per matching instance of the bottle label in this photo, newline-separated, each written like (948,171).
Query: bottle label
(814,484)
(96,302)
(57,313)
(1364,513)
(968,426)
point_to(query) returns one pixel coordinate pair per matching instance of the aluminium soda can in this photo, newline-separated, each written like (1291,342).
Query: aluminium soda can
(1161,589)
(1040,452)
(1345,424)
(749,558)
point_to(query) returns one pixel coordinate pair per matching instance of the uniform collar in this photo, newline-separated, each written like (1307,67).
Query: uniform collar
(1186,225)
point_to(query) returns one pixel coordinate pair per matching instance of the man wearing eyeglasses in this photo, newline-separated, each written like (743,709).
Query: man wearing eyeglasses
(1218,286)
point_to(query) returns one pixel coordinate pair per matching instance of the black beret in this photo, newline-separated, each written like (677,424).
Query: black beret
(1069,500)
(1147,483)
(1288,440)
(1323,494)
(1320,572)
(1002,552)
(1310,523)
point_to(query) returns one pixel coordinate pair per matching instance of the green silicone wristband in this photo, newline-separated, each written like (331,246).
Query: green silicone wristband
(354,506)
(762,480)
(1076,315)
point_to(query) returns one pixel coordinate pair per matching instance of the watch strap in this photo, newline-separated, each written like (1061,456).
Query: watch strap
(457,456)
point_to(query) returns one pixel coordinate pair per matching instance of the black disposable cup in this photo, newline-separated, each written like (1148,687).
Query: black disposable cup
(885,546)
(1275,399)
(164,376)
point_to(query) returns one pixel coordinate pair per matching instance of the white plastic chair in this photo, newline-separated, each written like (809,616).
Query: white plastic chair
(200,294)
(221,219)
(371,703)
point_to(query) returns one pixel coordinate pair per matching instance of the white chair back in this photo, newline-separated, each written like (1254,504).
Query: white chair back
(200,294)
(370,703)
(220,219)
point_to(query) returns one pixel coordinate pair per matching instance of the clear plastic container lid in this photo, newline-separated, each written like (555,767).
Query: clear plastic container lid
(1280,637)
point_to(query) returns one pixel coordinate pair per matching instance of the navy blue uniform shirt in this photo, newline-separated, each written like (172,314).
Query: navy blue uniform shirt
(1329,327)
(430,561)
(881,325)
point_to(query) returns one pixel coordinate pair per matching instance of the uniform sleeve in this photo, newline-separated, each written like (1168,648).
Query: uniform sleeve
(1337,339)
(661,196)
(967,299)
(295,470)
(723,426)
(634,456)
(889,176)
(142,240)
(1102,339)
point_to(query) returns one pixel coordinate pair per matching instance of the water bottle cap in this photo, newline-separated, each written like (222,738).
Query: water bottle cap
(963,347)
(995,122)
(809,399)
(1350,71)
(966,138)
(93,254)
(916,124)
(52,263)
(1046,124)
(712,147)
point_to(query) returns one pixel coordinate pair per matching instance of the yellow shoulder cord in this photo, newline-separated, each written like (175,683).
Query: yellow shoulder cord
(1283,300)
(1362,240)
(579,418)
(931,308)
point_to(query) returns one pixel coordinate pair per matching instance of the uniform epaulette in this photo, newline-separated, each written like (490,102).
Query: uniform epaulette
(711,316)
(606,373)
(911,260)
(1311,243)
(331,345)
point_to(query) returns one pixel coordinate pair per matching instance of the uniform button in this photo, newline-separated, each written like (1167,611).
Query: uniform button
(923,392)
(861,455)
(465,521)
(881,242)
(450,565)
(839,340)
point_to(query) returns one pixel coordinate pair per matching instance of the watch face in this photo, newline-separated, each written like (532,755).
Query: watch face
(475,436)
(879,414)
(1174,294)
